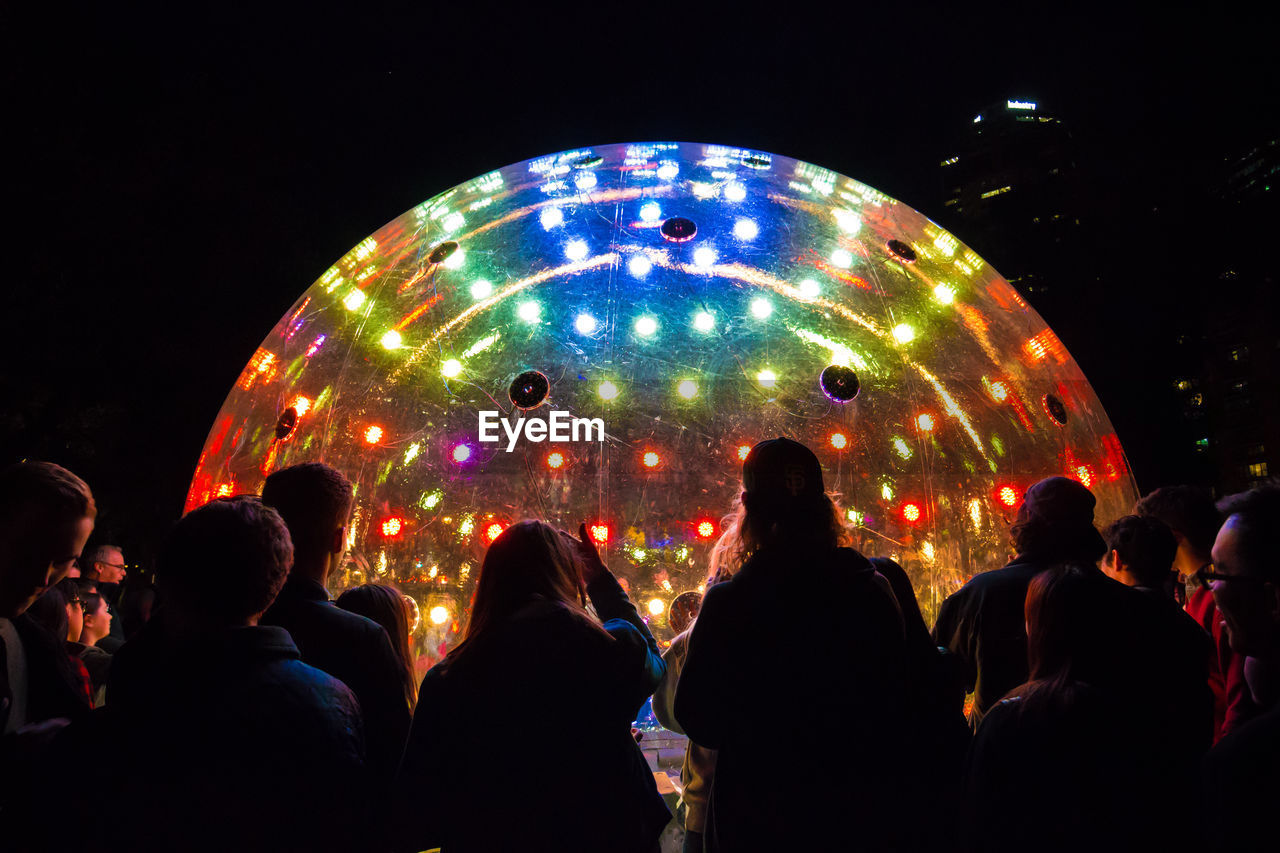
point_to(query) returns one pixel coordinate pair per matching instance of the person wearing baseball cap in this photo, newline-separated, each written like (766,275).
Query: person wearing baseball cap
(804,640)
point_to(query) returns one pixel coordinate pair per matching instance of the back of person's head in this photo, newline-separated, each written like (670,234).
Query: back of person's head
(226,561)
(314,500)
(49,611)
(387,606)
(783,501)
(1146,545)
(1054,523)
(1255,517)
(1060,621)
(43,493)
(1188,511)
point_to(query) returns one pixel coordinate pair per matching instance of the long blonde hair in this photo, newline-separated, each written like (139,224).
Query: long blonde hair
(747,528)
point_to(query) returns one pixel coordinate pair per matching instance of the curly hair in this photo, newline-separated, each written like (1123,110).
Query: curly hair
(748,527)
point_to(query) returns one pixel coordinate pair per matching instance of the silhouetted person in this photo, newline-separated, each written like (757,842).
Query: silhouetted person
(315,502)
(234,742)
(477,774)
(983,623)
(807,722)
(1242,773)
(387,606)
(1191,515)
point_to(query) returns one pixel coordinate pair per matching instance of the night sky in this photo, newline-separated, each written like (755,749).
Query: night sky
(176,179)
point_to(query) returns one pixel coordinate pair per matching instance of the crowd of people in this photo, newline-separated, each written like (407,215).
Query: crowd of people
(1124,684)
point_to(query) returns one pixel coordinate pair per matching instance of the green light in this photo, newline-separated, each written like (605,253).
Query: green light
(767,378)
(412,453)
(687,389)
(354,300)
(451,368)
(886,491)
(903,334)
(391,340)
(944,294)
(430,501)
(901,446)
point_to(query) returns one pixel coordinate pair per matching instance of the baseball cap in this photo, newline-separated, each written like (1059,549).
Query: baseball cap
(781,471)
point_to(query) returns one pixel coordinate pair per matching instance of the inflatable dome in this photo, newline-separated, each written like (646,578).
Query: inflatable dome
(599,335)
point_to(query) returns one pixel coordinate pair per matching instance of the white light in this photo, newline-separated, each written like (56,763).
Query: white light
(481,289)
(761,308)
(842,258)
(354,300)
(704,322)
(530,312)
(704,258)
(944,294)
(455,261)
(849,222)
(656,606)
(607,390)
(903,334)
(576,250)
(735,192)
(667,171)
(810,289)
(745,229)
(451,368)
(551,217)
(439,614)
(650,211)
(391,340)
(585,180)
(585,323)
(1019,105)
(646,326)
(639,266)
(453,221)
(767,378)
(687,389)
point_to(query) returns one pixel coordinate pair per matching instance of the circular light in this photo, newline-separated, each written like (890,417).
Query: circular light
(704,321)
(999,391)
(607,390)
(530,312)
(600,533)
(842,258)
(652,460)
(767,378)
(839,440)
(585,180)
(706,528)
(585,323)
(849,222)
(761,308)
(455,261)
(392,527)
(555,460)
(735,192)
(354,300)
(1008,496)
(391,340)
(451,368)
(911,512)
(551,217)
(903,334)
(925,423)
(667,171)
(745,229)
(944,294)
(461,453)
(639,266)
(481,288)
(439,614)
(576,250)
(687,389)
(646,326)
(493,531)
(373,435)
(302,405)
(743,450)
(656,607)
(650,211)
(810,289)
(704,257)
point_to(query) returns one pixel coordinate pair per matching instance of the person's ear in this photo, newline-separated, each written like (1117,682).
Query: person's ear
(339,539)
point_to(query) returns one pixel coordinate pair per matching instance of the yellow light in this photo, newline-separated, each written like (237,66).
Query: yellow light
(705,529)
(903,334)
(607,390)
(451,368)
(767,378)
(839,440)
(412,453)
(439,614)
(925,423)
(901,446)
(555,460)
(373,434)
(302,405)
(687,389)
(926,551)
(975,513)
(704,322)
(391,340)
(944,294)
(886,491)
(354,300)
(656,607)
(999,391)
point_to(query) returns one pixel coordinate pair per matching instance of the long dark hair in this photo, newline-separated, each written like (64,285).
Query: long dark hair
(1063,634)
(386,605)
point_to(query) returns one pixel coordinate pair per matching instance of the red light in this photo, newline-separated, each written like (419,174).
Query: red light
(706,528)
(392,526)
(1084,473)
(839,440)
(743,450)
(493,531)
(911,512)
(555,460)
(600,533)
(373,435)
(925,422)
(652,459)
(1007,495)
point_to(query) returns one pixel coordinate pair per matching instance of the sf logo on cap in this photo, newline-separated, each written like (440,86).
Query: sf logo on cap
(793,479)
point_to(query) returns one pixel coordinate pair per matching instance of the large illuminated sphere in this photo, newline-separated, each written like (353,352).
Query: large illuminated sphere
(696,299)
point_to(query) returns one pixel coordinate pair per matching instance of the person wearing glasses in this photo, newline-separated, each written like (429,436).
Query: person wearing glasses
(1242,773)
(107,569)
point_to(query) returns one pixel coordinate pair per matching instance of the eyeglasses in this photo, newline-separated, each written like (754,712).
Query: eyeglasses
(1205,574)
(120,566)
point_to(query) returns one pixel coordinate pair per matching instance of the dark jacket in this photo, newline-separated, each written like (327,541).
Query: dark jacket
(357,652)
(233,743)
(796,674)
(525,742)
(1242,786)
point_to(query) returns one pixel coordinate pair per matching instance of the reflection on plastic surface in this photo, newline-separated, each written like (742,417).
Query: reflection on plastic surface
(692,297)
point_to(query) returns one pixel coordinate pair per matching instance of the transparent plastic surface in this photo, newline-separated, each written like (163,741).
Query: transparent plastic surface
(682,302)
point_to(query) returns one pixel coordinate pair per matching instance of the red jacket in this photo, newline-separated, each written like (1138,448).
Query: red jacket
(1232,702)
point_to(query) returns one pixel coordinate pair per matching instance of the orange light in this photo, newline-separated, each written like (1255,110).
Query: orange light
(839,440)
(493,531)
(1007,495)
(652,460)
(743,450)
(555,460)
(999,392)
(302,405)
(1084,473)
(392,526)
(911,512)
(373,435)
(925,422)
(225,490)
(706,528)
(600,533)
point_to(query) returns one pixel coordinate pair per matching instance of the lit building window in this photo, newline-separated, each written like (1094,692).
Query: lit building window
(1258,470)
